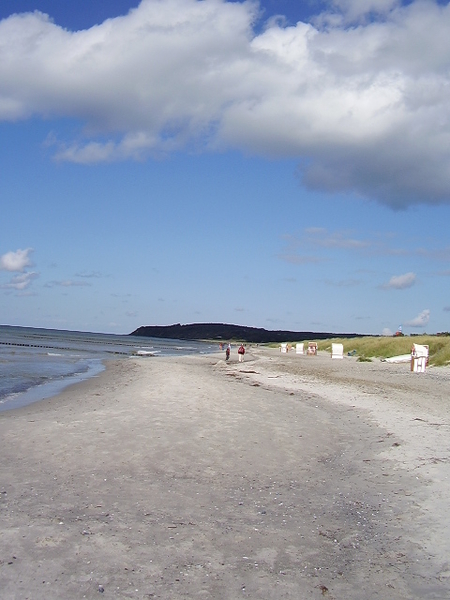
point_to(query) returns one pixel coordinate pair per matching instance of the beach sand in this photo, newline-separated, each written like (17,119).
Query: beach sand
(285,477)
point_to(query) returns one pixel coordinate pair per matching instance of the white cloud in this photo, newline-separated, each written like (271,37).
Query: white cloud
(400,282)
(298,259)
(20,282)
(343,283)
(338,239)
(16,261)
(387,332)
(67,283)
(315,238)
(348,11)
(365,108)
(90,274)
(421,320)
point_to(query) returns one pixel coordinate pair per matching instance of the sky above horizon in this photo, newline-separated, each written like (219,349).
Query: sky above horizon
(280,164)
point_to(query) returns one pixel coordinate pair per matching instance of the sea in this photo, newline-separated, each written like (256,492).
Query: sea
(39,363)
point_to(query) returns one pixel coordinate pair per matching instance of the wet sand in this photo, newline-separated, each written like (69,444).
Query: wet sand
(283,477)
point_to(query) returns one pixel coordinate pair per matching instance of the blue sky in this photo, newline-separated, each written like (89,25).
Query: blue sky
(281,165)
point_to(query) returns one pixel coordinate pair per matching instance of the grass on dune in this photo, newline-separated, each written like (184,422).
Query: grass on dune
(386,347)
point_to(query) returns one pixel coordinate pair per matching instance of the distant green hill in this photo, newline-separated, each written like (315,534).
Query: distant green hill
(224,332)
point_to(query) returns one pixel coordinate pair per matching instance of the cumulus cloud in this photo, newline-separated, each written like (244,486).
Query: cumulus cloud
(421,320)
(16,261)
(20,282)
(400,282)
(360,95)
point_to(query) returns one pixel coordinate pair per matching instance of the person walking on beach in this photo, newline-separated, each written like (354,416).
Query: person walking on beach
(241,352)
(228,352)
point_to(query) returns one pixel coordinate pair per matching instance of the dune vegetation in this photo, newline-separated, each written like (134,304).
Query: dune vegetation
(367,348)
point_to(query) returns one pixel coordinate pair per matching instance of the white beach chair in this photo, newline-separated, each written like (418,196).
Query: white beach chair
(299,348)
(419,358)
(337,350)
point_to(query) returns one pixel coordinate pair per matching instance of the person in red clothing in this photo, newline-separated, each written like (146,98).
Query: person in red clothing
(241,352)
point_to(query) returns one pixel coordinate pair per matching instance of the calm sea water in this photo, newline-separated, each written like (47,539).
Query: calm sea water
(38,363)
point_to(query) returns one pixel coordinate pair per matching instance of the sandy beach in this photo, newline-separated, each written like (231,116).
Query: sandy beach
(285,477)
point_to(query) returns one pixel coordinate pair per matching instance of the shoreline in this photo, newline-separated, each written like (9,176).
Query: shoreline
(39,363)
(283,476)
(50,389)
